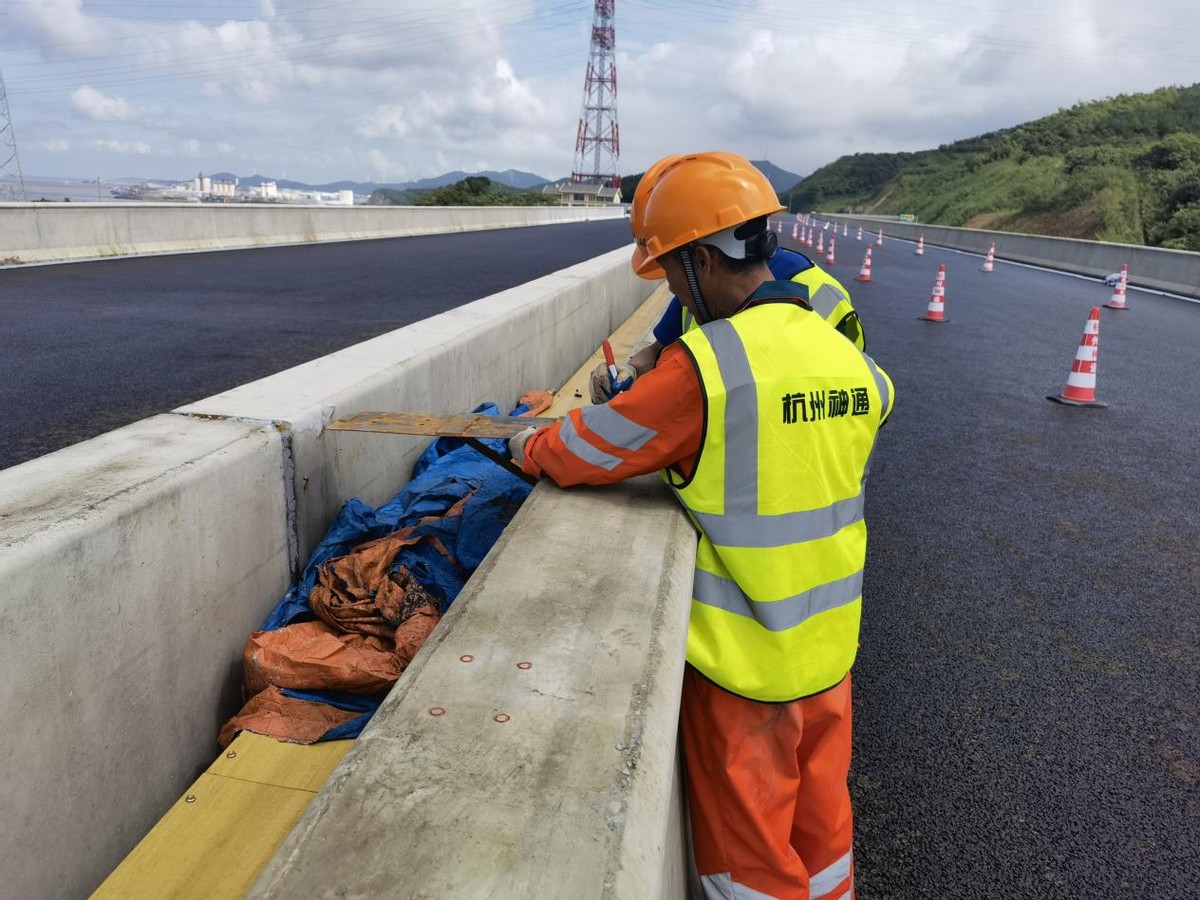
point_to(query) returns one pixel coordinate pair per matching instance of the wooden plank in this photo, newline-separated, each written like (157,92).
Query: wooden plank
(215,845)
(255,757)
(438,424)
(211,844)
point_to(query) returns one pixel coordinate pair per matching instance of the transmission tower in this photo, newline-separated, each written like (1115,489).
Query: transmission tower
(12,185)
(598,144)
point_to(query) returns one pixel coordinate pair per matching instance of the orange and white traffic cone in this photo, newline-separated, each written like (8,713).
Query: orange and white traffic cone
(859,233)
(829,258)
(936,312)
(1118,297)
(864,274)
(820,242)
(845,231)
(808,243)
(879,240)
(989,261)
(1081,381)
(779,227)
(921,246)
(795,230)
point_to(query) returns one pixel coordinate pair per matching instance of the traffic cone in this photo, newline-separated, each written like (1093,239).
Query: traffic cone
(795,230)
(829,260)
(808,243)
(921,245)
(989,262)
(879,240)
(820,242)
(1081,380)
(779,227)
(936,311)
(845,231)
(859,233)
(864,274)
(1118,297)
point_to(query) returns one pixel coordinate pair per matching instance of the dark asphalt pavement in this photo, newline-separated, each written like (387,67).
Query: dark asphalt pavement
(1026,691)
(88,347)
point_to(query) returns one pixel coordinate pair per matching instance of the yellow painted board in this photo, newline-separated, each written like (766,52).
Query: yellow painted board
(211,844)
(242,808)
(626,339)
(255,757)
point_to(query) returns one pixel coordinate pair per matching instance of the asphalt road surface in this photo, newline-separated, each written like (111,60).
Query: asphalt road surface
(89,347)
(1026,692)
(1026,689)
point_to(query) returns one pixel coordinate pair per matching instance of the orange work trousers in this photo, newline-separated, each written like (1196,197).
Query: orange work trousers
(770,807)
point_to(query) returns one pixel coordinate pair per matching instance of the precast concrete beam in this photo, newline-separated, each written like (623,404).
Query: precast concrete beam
(530,336)
(132,567)
(530,749)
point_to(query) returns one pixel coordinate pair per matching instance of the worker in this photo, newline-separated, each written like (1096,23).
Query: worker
(762,420)
(826,295)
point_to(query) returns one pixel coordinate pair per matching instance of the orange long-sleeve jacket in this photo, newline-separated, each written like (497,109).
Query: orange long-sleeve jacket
(658,423)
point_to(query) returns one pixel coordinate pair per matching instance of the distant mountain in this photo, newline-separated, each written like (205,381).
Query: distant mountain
(509,178)
(781,179)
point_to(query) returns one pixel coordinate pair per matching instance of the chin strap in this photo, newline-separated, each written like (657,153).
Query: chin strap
(685,259)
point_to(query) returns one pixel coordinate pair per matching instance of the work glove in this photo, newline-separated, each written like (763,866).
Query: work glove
(600,386)
(516,444)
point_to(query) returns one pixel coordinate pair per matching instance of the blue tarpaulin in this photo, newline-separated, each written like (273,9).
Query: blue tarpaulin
(446,472)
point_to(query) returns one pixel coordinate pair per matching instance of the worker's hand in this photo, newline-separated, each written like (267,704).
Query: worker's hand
(516,444)
(600,385)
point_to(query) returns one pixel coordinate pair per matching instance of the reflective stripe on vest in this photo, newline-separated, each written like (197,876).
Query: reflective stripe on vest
(777,494)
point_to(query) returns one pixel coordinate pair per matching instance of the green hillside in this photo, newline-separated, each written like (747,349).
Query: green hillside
(1124,169)
(475,190)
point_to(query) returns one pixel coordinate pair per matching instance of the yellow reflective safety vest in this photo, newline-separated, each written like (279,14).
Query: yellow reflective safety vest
(827,297)
(791,414)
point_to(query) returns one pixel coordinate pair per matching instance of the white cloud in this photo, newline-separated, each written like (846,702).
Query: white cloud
(417,87)
(91,104)
(139,148)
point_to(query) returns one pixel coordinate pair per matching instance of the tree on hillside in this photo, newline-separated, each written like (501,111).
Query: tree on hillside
(479,190)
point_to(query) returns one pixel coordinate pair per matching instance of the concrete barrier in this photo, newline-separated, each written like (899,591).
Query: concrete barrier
(135,565)
(530,750)
(132,568)
(33,232)
(1174,271)
(531,336)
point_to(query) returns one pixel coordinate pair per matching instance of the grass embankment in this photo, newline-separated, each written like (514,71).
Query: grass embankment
(1125,169)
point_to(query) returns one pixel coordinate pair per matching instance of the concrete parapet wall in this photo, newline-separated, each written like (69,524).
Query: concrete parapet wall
(1174,271)
(530,749)
(531,336)
(132,568)
(135,565)
(31,232)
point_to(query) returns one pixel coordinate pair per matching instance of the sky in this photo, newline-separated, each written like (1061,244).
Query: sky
(395,90)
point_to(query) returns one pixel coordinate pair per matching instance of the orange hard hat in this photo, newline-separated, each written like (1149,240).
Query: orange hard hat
(696,196)
(637,211)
